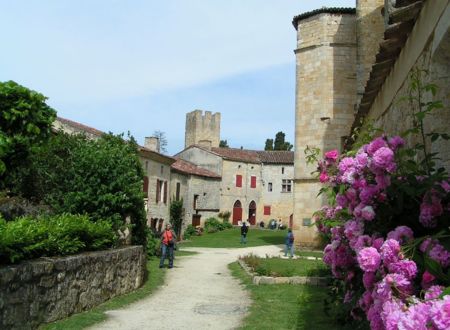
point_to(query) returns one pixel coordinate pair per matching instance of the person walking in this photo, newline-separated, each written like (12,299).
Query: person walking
(289,241)
(168,239)
(244,231)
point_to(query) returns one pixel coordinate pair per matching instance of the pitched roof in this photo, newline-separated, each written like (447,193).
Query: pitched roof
(401,19)
(79,127)
(241,155)
(186,167)
(323,10)
(276,157)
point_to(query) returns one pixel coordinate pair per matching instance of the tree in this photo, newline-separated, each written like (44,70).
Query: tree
(269,145)
(223,144)
(280,143)
(162,140)
(26,122)
(176,216)
(101,178)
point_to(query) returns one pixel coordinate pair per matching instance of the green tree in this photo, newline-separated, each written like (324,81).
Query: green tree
(25,122)
(280,143)
(223,144)
(101,178)
(176,216)
(269,145)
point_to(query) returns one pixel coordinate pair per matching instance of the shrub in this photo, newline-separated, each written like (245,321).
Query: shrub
(101,178)
(16,207)
(28,238)
(225,216)
(212,225)
(189,231)
(153,244)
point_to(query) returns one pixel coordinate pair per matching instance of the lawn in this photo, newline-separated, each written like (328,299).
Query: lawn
(305,253)
(230,238)
(95,315)
(284,306)
(286,267)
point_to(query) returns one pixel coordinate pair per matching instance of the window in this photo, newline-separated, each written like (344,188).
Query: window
(146,166)
(253,181)
(177,195)
(165,192)
(161,191)
(286,186)
(267,210)
(238,180)
(145,186)
(194,204)
(282,170)
(269,186)
(162,169)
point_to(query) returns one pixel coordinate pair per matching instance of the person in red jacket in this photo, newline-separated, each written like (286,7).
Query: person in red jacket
(168,239)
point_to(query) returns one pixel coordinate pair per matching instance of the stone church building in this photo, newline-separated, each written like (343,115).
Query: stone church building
(354,65)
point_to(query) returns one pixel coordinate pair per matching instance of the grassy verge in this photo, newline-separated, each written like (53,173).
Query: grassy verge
(284,306)
(286,267)
(303,253)
(95,315)
(230,238)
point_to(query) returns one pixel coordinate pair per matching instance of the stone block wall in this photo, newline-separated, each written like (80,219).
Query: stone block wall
(201,127)
(325,100)
(46,290)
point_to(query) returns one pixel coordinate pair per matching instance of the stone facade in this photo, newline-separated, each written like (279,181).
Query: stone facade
(325,99)
(49,289)
(202,128)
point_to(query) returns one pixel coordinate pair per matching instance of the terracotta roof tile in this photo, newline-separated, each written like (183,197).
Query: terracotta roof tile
(186,167)
(242,155)
(276,157)
(80,127)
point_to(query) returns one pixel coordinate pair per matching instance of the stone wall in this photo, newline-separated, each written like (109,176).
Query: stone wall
(427,48)
(325,100)
(50,289)
(201,127)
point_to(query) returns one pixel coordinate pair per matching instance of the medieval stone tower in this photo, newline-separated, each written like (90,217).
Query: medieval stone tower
(333,62)
(203,129)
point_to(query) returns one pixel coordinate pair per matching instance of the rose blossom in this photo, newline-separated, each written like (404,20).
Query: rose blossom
(375,145)
(369,259)
(433,292)
(440,313)
(402,234)
(407,268)
(384,158)
(332,155)
(395,142)
(323,177)
(367,213)
(390,251)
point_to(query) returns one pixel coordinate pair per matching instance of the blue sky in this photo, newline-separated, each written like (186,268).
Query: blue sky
(140,66)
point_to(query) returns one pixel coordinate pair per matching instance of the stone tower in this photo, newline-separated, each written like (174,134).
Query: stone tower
(325,100)
(202,129)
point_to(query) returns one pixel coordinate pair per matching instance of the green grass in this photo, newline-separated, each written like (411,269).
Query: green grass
(303,253)
(182,253)
(287,267)
(230,238)
(284,306)
(95,315)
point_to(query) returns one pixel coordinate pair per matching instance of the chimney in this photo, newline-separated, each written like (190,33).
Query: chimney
(205,144)
(152,143)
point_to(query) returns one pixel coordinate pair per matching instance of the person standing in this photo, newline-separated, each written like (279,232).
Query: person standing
(244,231)
(289,241)
(168,239)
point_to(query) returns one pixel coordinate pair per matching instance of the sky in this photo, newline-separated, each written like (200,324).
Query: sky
(141,65)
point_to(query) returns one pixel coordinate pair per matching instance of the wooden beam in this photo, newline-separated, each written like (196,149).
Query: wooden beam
(406,13)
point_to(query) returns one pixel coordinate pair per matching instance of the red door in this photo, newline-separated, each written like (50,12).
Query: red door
(291,221)
(237,212)
(252,213)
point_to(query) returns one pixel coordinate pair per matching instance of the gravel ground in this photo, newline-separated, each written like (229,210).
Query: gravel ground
(199,293)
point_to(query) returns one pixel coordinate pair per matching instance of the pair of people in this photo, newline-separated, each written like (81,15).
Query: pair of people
(168,240)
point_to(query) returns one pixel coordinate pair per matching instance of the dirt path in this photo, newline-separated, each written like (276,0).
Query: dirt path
(199,293)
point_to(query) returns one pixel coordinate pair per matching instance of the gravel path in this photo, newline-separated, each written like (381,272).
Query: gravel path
(199,293)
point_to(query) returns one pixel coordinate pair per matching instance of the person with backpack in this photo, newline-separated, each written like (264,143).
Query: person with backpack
(244,231)
(168,240)
(289,241)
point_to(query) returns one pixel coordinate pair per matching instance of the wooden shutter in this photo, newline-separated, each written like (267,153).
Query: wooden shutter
(145,186)
(253,181)
(177,196)
(266,210)
(158,192)
(238,180)
(165,191)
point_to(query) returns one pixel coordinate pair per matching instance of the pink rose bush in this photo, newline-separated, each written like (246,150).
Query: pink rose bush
(388,232)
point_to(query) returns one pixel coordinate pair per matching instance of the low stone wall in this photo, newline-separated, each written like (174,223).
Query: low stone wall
(49,289)
(310,280)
